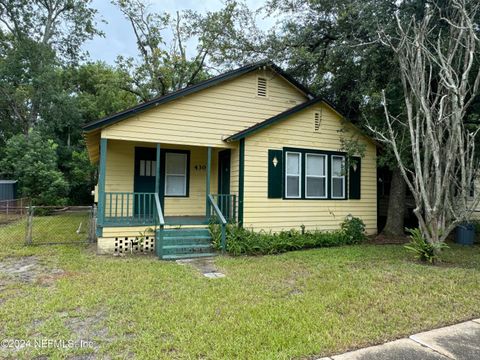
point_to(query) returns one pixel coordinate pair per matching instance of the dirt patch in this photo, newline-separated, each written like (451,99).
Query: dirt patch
(28,269)
(384,240)
(87,332)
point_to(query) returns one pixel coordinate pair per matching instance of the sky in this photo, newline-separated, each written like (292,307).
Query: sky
(119,38)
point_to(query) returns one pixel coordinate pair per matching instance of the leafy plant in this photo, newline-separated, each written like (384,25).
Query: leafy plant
(245,241)
(354,230)
(139,240)
(423,250)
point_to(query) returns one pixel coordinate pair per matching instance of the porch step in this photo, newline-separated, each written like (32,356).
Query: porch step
(186,232)
(184,243)
(187,256)
(187,240)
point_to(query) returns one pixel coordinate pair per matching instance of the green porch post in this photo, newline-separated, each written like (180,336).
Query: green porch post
(241,180)
(157,171)
(101,186)
(209,166)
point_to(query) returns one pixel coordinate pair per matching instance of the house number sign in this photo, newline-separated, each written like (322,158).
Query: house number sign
(200,167)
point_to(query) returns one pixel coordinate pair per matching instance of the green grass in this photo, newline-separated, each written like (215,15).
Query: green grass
(48,229)
(296,305)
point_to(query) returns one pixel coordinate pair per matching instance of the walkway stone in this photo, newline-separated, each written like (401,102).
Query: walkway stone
(205,265)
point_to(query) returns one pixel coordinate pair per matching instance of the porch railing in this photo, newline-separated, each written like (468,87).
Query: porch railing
(221,220)
(159,225)
(126,208)
(227,204)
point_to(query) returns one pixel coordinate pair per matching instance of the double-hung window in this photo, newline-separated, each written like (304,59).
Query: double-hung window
(293,173)
(315,176)
(338,177)
(175,174)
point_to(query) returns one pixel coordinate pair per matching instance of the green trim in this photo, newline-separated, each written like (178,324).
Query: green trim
(355,179)
(207,185)
(193,89)
(241,180)
(275,174)
(101,186)
(157,169)
(329,154)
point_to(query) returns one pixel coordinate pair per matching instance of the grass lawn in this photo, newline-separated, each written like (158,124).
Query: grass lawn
(296,305)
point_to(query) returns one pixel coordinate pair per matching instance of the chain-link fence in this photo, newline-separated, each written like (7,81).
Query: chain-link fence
(36,225)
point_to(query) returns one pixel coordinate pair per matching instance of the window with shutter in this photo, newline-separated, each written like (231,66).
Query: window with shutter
(338,177)
(293,173)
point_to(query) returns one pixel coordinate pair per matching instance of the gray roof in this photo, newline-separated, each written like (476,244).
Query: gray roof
(8,181)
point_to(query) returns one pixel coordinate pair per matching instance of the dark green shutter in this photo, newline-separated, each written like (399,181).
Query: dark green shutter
(354,178)
(275,174)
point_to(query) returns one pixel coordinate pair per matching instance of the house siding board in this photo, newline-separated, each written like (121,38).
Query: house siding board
(120,176)
(206,117)
(260,212)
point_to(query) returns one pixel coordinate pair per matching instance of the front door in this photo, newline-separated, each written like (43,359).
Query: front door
(224,202)
(144,182)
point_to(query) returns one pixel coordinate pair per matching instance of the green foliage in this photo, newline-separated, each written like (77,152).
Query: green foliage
(353,229)
(244,241)
(32,161)
(422,249)
(165,63)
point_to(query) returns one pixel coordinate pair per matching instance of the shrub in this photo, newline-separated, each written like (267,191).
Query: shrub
(423,250)
(354,230)
(244,241)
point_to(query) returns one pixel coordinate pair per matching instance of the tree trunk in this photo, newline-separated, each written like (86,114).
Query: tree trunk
(396,205)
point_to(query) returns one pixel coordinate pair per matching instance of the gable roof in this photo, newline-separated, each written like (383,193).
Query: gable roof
(287,113)
(283,115)
(111,119)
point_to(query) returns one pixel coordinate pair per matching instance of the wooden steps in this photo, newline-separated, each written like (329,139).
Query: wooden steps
(184,243)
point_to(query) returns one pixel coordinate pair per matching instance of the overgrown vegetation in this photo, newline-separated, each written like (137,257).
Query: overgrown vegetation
(241,241)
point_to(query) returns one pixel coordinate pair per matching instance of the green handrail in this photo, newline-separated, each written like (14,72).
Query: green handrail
(222,220)
(161,223)
(161,219)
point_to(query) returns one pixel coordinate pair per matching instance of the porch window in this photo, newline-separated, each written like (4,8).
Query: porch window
(315,176)
(175,174)
(338,177)
(292,175)
(147,167)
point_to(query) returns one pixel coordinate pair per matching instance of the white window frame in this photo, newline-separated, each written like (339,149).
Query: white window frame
(325,165)
(299,175)
(338,177)
(185,175)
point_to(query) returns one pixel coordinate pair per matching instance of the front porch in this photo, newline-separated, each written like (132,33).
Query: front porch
(146,189)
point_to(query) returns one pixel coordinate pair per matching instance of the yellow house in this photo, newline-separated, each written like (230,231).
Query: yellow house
(251,146)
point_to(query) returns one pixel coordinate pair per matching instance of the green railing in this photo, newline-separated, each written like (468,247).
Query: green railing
(221,220)
(127,209)
(159,225)
(227,203)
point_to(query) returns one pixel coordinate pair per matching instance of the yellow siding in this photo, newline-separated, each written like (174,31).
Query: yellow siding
(120,176)
(205,118)
(277,214)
